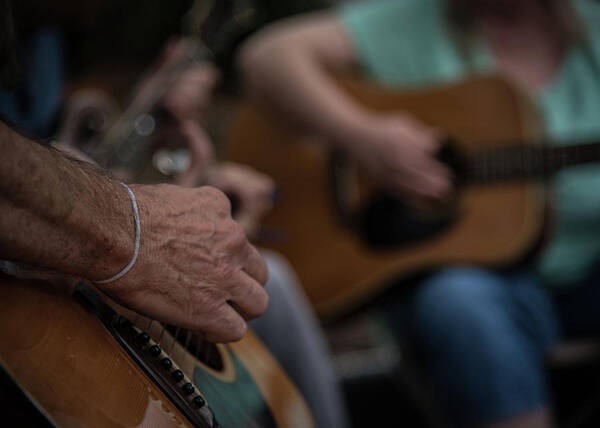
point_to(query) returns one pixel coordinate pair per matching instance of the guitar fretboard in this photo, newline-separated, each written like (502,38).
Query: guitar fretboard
(525,161)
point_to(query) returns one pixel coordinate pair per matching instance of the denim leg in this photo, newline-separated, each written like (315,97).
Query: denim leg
(485,336)
(291,331)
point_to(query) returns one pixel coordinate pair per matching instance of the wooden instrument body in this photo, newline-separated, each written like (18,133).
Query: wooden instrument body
(78,375)
(497,224)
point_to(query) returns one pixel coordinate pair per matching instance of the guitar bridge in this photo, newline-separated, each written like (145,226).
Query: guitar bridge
(155,363)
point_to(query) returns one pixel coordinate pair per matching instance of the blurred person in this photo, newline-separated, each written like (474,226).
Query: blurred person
(485,333)
(289,328)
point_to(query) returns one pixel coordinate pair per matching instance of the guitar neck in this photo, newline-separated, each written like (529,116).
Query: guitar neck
(525,161)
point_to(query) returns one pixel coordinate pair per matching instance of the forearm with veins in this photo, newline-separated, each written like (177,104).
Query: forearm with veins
(59,213)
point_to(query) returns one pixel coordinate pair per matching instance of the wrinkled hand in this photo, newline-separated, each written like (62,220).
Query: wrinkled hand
(196,268)
(253,189)
(399,152)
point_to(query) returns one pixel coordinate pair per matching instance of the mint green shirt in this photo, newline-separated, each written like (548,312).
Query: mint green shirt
(408,43)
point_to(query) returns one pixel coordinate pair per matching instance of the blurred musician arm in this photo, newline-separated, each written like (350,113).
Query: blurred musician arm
(289,65)
(252,195)
(186,102)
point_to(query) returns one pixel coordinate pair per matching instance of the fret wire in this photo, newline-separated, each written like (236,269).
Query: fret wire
(570,154)
(484,166)
(574,154)
(522,161)
(562,158)
(501,166)
(537,161)
(527,160)
(475,169)
(513,169)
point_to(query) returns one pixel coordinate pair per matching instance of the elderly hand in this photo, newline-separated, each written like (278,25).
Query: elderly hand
(195,268)
(399,152)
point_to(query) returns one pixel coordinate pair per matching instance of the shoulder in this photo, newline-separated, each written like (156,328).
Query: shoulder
(387,8)
(588,12)
(389,16)
(586,7)
(402,42)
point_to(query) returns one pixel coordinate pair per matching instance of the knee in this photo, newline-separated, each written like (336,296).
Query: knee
(281,273)
(288,303)
(457,303)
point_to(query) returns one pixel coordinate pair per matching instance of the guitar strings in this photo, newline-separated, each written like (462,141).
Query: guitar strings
(203,351)
(149,327)
(162,332)
(181,358)
(174,340)
(199,347)
(209,352)
(187,344)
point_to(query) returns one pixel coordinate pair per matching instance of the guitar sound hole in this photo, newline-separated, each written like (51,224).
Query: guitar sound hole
(206,352)
(386,223)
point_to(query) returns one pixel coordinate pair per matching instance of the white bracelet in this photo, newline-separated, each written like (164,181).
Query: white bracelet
(136,245)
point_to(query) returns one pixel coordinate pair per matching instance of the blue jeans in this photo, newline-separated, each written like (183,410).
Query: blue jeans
(485,335)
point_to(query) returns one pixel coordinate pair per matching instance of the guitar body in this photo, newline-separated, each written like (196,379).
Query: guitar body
(76,371)
(495,225)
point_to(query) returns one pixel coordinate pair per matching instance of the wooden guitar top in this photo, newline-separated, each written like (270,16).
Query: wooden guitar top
(78,375)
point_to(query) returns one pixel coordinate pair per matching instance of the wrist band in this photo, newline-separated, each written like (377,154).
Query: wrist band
(136,245)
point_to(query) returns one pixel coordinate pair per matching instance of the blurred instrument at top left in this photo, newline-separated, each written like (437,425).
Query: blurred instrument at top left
(94,124)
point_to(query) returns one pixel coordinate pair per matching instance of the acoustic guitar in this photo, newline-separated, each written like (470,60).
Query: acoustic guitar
(348,241)
(82,362)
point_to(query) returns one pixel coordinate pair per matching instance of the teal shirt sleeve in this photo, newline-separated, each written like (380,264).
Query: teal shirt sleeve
(408,43)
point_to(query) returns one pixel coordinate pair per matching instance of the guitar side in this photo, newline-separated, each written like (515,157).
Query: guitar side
(77,374)
(497,225)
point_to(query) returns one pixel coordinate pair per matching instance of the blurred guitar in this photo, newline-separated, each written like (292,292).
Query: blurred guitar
(82,362)
(348,241)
